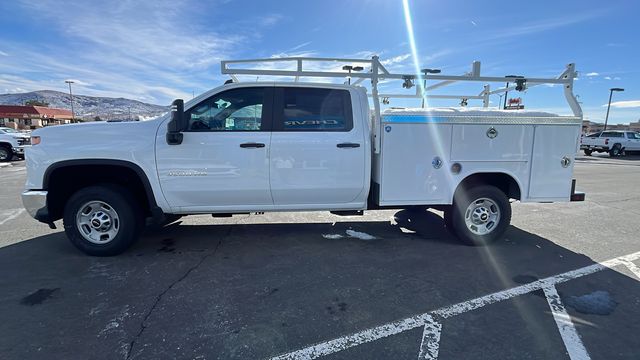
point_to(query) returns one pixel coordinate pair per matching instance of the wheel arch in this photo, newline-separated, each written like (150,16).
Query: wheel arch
(63,178)
(502,180)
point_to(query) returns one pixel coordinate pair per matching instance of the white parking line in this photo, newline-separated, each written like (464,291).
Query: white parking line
(568,332)
(633,268)
(12,216)
(396,327)
(430,340)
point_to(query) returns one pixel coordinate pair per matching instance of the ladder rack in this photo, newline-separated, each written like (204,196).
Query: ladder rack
(373,70)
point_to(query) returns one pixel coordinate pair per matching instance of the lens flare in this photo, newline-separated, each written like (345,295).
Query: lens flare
(414,50)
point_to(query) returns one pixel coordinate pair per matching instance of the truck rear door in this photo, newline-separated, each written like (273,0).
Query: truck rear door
(317,149)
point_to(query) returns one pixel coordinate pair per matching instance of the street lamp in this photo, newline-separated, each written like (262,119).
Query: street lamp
(424,82)
(73,114)
(606,119)
(352,68)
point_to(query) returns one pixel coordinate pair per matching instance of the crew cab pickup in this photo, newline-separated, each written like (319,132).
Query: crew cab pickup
(291,146)
(12,142)
(614,142)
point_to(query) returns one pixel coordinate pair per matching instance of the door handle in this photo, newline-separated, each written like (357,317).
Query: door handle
(348,145)
(252,145)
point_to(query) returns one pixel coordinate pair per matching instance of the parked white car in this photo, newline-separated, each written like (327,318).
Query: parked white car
(12,142)
(289,146)
(614,142)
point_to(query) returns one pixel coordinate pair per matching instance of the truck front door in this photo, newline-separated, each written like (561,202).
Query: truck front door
(317,149)
(222,163)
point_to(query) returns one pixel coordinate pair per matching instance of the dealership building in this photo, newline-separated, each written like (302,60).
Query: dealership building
(32,117)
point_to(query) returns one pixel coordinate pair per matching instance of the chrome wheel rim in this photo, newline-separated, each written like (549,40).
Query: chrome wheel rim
(97,222)
(482,216)
(4,154)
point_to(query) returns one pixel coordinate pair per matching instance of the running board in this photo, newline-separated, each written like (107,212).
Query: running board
(348,212)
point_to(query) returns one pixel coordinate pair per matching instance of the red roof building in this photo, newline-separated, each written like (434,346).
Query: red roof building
(32,117)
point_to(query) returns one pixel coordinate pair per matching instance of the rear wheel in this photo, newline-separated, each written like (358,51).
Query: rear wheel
(588,152)
(616,150)
(479,215)
(102,220)
(6,154)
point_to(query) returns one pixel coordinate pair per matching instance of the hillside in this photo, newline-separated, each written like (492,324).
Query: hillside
(88,106)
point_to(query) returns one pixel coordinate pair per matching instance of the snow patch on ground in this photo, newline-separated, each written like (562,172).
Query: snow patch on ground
(332,236)
(360,235)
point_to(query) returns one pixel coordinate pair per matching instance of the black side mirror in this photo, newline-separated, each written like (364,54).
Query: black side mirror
(176,125)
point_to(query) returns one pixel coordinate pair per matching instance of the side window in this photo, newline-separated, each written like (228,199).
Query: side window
(232,110)
(633,135)
(314,109)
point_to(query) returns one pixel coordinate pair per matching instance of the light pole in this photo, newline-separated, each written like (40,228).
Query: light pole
(73,114)
(606,119)
(424,82)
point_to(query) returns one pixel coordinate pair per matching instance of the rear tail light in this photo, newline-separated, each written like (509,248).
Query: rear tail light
(606,141)
(35,140)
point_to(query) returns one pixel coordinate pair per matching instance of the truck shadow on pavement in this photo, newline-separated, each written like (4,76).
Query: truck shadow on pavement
(257,290)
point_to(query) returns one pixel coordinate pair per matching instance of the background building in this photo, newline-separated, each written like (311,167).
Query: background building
(32,117)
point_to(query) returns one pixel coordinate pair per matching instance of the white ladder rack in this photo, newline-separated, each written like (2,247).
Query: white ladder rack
(375,71)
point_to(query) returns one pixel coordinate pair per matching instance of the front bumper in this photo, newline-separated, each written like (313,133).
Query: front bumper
(35,202)
(18,150)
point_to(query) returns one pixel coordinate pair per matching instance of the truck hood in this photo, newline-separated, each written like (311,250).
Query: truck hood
(96,131)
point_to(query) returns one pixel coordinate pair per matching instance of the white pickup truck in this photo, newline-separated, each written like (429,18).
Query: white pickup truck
(12,142)
(290,146)
(614,142)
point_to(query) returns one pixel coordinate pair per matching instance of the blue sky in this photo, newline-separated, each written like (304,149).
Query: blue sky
(158,50)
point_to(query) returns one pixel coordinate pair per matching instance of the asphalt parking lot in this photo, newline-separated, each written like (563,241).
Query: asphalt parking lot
(285,285)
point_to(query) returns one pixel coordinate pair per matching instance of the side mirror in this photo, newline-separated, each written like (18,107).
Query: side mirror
(176,125)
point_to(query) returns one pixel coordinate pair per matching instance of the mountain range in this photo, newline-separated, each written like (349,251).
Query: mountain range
(88,107)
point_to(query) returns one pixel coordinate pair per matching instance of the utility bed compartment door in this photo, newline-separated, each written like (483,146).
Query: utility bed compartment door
(415,164)
(485,142)
(549,178)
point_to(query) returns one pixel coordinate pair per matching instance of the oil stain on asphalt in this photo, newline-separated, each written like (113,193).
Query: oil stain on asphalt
(38,297)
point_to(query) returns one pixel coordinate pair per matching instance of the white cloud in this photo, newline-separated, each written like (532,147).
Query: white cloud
(395,59)
(544,25)
(607,77)
(625,104)
(592,74)
(2,53)
(146,50)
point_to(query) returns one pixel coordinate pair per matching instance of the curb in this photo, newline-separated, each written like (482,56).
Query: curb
(2,165)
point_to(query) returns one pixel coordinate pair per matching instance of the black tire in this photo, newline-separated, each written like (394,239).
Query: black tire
(588,152)
(616,150)
(128,217)
(6,154)
(496,202)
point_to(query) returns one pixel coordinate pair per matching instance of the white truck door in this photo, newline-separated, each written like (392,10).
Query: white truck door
(317,148)
(633,141)
(223,160)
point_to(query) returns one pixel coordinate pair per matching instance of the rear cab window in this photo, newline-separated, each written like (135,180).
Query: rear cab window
(312,109)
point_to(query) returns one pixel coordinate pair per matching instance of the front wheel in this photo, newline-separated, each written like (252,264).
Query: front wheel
(102,220)
(5,153)
(479,215)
